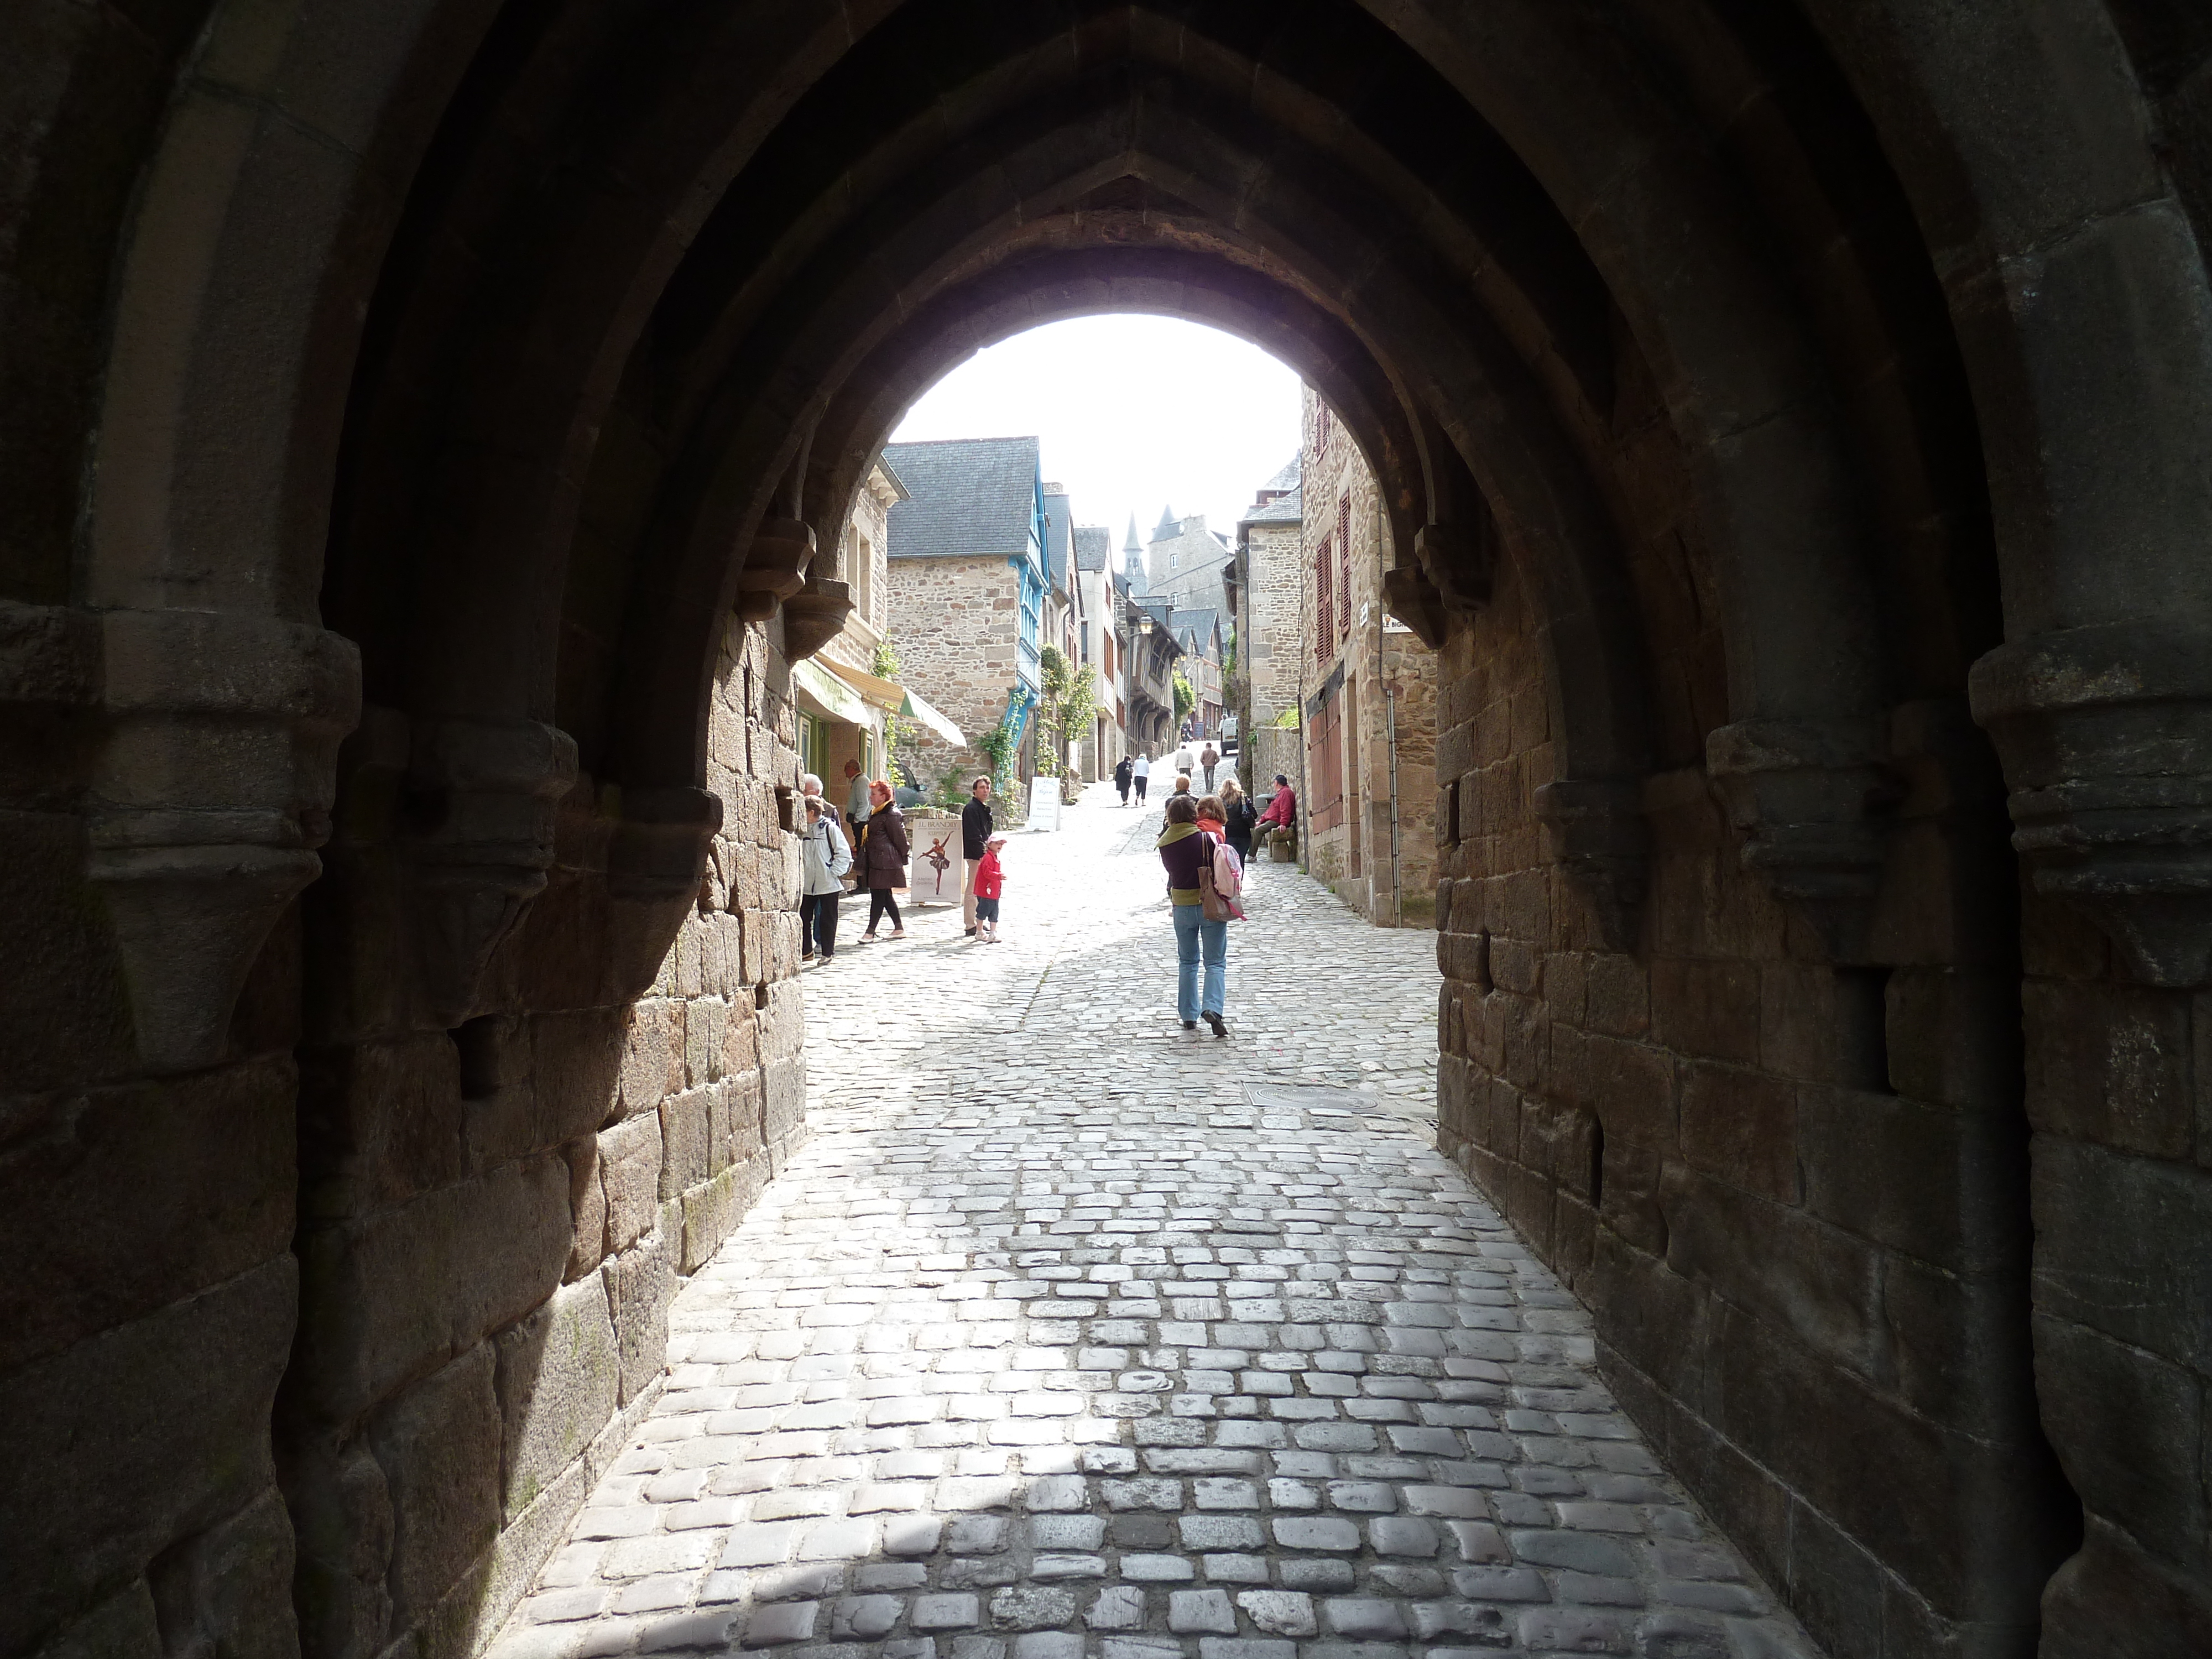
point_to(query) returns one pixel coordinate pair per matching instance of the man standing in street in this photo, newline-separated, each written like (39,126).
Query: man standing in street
(856,796)
(974,836)
(1209,760)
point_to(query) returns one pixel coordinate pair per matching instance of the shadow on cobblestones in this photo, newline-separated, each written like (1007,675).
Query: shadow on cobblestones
(1069,1336)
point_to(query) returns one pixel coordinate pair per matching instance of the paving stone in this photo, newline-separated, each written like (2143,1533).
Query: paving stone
(935,1612)
(781,1622)
(1031,1606)
(1192,1613)
(1278,1613)
(1033,1323)
(1118,1607)
(1364,1619)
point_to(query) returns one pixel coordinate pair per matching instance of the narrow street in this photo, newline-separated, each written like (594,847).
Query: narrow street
(1072,1332)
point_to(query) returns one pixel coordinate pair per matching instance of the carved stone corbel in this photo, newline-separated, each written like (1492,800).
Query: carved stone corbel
(655,869)
(481,798)
(774,567)
(1594,830)
(1813,801)
(1461,563)
(2106,736)
(211,792)
(813,617)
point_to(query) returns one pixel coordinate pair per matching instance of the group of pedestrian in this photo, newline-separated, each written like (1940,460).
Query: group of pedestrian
(1133,771)
(869,836)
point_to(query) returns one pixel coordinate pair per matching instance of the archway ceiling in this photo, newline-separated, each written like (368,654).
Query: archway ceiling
(1460,238)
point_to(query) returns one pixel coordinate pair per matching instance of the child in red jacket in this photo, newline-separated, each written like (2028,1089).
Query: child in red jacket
(990,882)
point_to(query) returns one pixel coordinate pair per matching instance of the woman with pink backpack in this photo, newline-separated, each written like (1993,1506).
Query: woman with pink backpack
(1202,885)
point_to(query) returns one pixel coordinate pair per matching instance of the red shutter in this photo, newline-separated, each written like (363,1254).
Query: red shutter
(1324,609)
(1343,564)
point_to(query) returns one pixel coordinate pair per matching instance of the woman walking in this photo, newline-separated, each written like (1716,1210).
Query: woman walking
(1242,818)
(823,857)
(1184,850)
(1121,775)
(883,859)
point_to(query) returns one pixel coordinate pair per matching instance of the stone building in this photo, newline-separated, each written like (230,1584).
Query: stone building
(1368,696)
(840,718)
(1789,423)
(967,585)
(1199,632)
(1270,578)
(1183,561)
(1104,647)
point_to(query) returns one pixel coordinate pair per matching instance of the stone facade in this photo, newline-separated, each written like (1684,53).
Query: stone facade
(862,560)
(1369,691)
(1183,561)
(953,621)
(585,1156)
(1271,654)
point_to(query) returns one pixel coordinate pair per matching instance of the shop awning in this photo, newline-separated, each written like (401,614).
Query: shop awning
(897,699)
(829,695)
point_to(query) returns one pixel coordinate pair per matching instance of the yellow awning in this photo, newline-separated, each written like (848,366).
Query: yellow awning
(829,695)
(898,699)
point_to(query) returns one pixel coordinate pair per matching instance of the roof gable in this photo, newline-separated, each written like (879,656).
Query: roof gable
(966,497)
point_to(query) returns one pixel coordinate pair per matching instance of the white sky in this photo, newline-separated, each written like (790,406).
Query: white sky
(1134,413)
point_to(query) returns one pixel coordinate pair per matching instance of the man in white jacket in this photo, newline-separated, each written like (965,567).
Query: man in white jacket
(1143,770)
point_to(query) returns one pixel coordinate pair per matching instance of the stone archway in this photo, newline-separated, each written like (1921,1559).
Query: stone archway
(1791,426)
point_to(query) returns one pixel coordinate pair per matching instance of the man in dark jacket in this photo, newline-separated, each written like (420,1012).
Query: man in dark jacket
(975,834)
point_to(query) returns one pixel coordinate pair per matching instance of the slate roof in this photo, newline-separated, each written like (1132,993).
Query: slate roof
(1283,509)
(1093,546)
(1167,528)
(1133,545)
(1199,625)
(965,496)
(1059,541)
(1289,478)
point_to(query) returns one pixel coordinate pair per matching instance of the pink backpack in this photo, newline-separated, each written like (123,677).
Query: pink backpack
(1221,879)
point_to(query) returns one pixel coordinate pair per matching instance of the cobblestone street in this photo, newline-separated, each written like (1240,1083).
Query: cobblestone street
(1071,1333)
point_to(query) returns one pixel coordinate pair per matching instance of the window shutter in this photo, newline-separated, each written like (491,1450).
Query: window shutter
(1324,609)
(1343,564)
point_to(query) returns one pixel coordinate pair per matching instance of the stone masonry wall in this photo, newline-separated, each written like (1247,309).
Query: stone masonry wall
(1354,855)
(1272,658)
(494,1219)
(956,622)
(1765,1173)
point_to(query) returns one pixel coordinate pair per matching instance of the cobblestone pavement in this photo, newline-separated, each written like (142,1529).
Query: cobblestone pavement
(1074,1335)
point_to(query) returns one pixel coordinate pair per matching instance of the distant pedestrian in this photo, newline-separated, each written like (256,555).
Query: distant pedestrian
(1121,775)
(856,794)
(825,857)
(1207,761)
(1185,850)
(1139,774)
(990,883)
(1241,817)
(883,859)
(975,828)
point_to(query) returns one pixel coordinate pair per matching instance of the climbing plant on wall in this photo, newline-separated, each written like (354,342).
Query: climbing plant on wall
(899,734)
(1068,698)
(1185,698)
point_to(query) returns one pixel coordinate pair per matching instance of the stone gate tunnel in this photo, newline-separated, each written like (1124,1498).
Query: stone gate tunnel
(1795,420)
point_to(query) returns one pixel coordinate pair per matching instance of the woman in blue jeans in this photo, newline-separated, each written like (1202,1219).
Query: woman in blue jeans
(1184,849)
